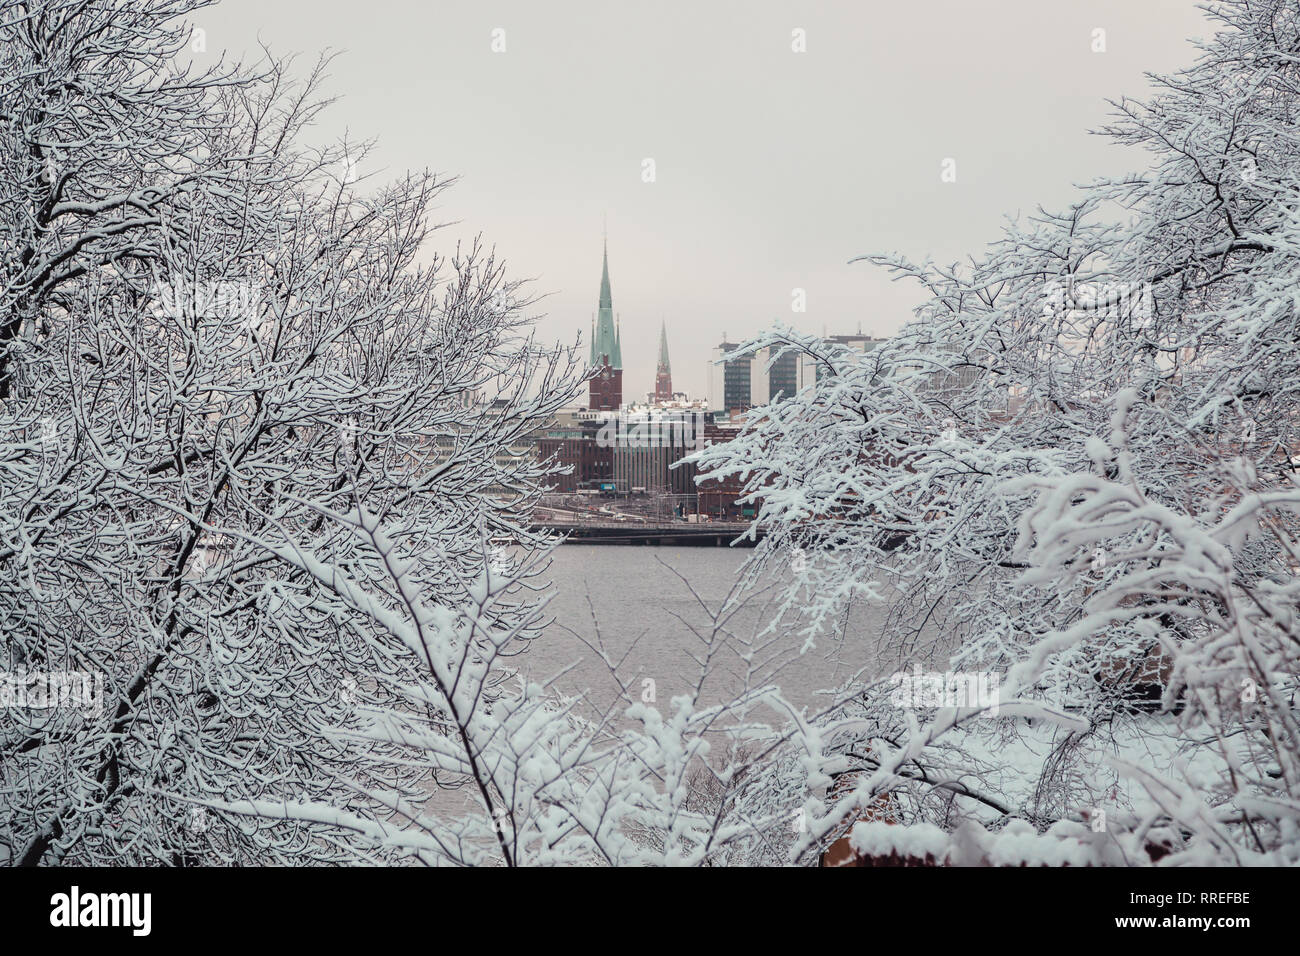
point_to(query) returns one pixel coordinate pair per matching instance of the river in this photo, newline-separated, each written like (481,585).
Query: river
(638,601)
(635,602)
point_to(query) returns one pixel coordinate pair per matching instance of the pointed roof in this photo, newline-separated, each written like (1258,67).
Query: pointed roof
(606,298)
(663,347)
(605,341)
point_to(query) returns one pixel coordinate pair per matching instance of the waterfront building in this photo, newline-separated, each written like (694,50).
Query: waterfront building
(744,382)
(735,384)
(648,444)
(718,497)
(571,440)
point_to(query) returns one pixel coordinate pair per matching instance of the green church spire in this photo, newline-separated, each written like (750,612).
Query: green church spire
(605,341)
(663,347)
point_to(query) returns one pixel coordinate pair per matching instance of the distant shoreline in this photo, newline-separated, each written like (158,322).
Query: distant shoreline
(706,535)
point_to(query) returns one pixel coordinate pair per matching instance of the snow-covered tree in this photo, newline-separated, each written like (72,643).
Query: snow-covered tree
(534,777)
(210,336)
(1077,469)
(263,473)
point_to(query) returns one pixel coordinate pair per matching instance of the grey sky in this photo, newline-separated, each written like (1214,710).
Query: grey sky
(774,168)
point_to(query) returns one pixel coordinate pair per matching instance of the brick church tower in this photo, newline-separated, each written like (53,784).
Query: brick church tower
(663,372)
(606,387)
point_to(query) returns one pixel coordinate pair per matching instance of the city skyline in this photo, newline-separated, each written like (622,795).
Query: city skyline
(773,168)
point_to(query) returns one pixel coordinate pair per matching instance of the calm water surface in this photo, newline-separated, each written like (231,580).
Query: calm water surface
(634,601)
(631,601)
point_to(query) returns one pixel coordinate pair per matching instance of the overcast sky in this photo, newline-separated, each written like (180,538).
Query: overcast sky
(772,168)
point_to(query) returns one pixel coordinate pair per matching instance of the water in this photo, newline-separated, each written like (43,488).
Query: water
(651,609)
(648,608)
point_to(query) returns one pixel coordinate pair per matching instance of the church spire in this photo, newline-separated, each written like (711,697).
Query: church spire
(606,385)
(663,372)
(605,340)
(606,299)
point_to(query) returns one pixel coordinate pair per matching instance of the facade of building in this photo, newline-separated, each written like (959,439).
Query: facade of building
(606,386)
(649,442)
(739,384)
(717,497)
(633,451)
(735,385)
(783,376)
(641,451)
(571,441)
